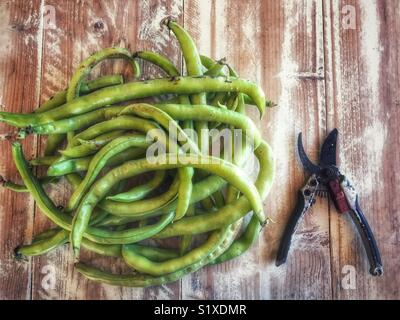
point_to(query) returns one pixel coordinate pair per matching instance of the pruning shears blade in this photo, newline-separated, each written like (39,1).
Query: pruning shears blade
(305,161)
(328,149)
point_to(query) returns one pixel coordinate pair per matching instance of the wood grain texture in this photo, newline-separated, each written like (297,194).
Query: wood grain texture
(20,58)
(364,78)
(322,75)
(229,26)
(306,275)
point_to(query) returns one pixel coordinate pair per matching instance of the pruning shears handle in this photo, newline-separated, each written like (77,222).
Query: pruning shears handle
(290,229)
(367,237)
(305,199)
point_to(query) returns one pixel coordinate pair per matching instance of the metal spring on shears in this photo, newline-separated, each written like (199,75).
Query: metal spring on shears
(322,193)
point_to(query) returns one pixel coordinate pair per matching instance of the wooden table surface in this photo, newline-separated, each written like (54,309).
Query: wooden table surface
(327,64)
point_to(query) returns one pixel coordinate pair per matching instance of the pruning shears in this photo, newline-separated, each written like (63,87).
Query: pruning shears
(327,181)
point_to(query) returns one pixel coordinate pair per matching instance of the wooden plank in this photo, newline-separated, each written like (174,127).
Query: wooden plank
(296,63)
(20,37)
(151,36)
(362,104)
(63,49)
(251,35)
(226,29)
(82,28)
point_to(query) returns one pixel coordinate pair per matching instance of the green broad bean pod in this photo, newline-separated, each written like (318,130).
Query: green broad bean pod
(145,164)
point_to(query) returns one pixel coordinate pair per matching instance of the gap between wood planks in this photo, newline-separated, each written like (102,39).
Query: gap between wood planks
(37,140)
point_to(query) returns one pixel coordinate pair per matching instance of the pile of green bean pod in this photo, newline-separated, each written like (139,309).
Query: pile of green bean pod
(147,186)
